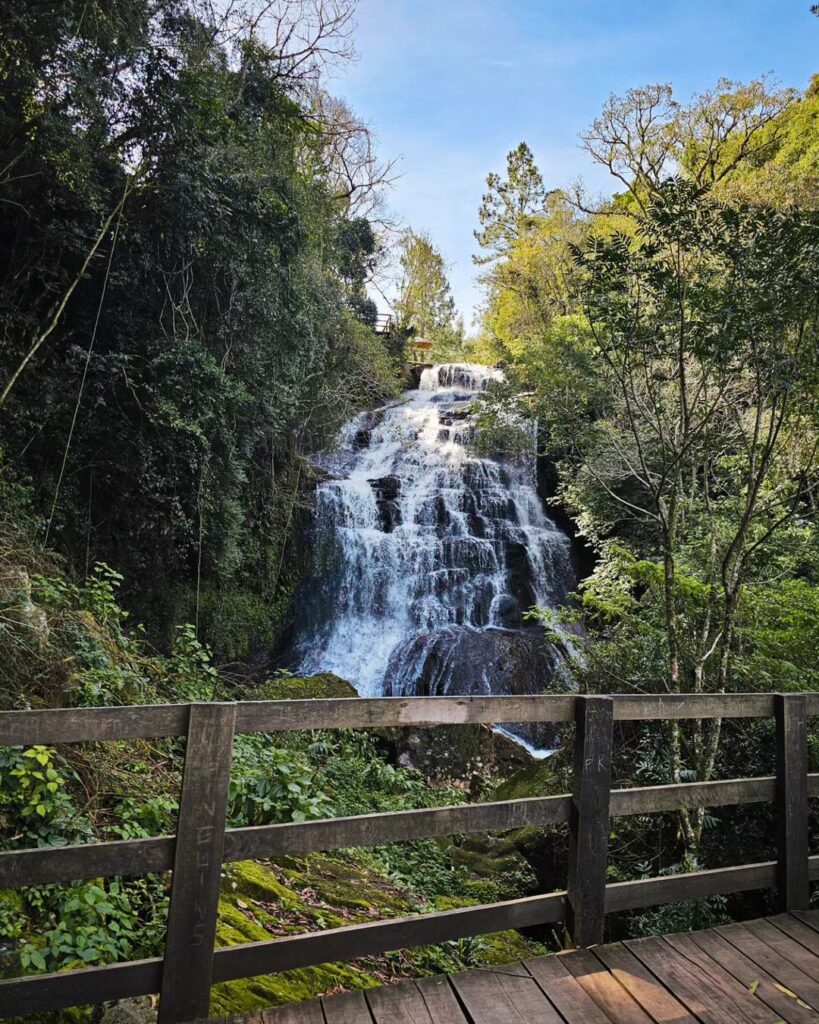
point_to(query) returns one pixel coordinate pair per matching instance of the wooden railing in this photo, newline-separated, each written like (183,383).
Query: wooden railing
(196,853)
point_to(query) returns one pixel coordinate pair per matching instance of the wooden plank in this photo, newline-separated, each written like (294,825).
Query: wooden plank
(294,1013)
(657,707)
(808,917)
(754,978)
(690,795)
(348,1008)
(661,1006)
(90,985)
(509,994)
(197,870)
(440,1000)
(398,1004)
(647,892)
(733,990)
(792,801)
(797,930)
(782,957)
(606,991)
(703,997)
(127,857)
(78,725)
(379,712)
(250,959)
(392,827)
(589,822)
(564,991)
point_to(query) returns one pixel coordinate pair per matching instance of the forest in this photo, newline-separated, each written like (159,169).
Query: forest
(195,228)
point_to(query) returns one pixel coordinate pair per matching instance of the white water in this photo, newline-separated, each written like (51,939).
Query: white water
(425,555)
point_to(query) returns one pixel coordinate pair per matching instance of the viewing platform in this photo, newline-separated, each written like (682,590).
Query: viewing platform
(760,972)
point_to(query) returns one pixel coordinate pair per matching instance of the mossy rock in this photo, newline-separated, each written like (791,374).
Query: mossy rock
(488,857)
(537,779)
(322,686)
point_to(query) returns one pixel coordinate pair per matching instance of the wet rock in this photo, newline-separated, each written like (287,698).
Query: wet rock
(464,660)
(519,574)
(508,612)
(387,489)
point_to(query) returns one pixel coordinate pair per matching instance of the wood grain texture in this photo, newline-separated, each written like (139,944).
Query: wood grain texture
(661,1006)
(348,1008)
(91,985)
(507,994)
(295,1013)
(792,801)
(782,957)
(647,892)
(197,869)
(564,991)
(703,997)
(754,978)
(733,991)
(401,1003)
(128,857)
(392,827)
(606,991)
(440,1001)
(76,725)
(792,926)
(589,822)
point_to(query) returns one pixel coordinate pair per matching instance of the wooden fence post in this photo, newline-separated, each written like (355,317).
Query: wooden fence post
(188,963)
(792,801)
(589,821)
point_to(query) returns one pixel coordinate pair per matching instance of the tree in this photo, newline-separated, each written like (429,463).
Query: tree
(704,439)
(535,281)
(186,260)
(509,205)
(645,135)
(425,304)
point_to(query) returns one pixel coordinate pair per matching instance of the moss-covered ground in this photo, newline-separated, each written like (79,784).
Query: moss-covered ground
(262,900)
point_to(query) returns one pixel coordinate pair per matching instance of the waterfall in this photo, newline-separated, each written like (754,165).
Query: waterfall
(425,555)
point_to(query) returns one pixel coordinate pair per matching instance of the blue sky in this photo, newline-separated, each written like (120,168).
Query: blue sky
(450,86)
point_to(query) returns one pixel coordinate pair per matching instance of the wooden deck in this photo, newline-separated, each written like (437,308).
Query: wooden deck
(760,972)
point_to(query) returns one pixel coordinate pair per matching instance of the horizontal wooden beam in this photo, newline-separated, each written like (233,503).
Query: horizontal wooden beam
(688,795)
(91,985)
(76,725)
(380,712)
(81,725)
(648,892)
(393,827)
(127,857)
(314,948)
(132,857)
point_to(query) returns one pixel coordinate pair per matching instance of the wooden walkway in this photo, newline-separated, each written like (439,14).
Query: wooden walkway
(760,972)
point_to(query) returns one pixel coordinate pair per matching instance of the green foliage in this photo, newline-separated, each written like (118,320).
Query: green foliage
(425,306)
(232,336)
(34,799)
(269,784)
(510,205)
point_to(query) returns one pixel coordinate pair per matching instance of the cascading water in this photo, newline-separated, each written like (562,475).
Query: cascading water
(425,555)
